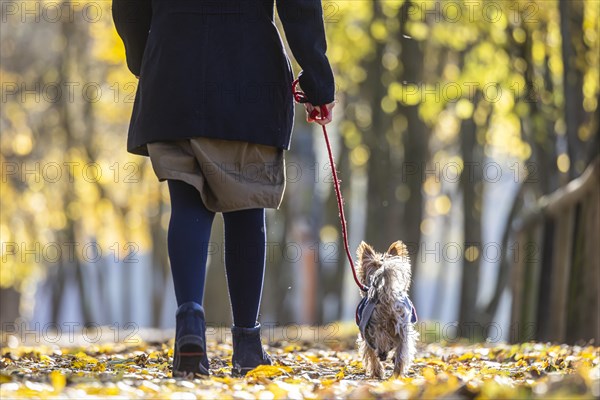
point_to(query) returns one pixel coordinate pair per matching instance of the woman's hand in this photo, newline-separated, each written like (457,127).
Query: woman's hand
(313,113)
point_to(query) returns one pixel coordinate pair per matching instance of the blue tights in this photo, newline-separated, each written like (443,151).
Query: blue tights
(188,239)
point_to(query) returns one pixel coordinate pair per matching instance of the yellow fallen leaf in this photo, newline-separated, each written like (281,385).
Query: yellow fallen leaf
(439,363)
(100,367)
(58,380)
(469,356)
(309,357)
(102,391)
(82,360)
(429,374)
(225,379)
(327,382)
(45,359)
(293,380)
(268,371)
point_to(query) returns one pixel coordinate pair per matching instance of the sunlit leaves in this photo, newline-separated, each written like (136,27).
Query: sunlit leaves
(66,175)
(302,370)
(484,36)
(359,155)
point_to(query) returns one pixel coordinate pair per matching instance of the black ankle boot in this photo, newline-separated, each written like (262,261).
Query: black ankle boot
(248,352)
(189,356)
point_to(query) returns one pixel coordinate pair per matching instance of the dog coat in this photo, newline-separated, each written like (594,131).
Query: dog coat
(365,309)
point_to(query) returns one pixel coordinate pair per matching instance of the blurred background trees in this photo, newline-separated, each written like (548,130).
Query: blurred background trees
(453,119)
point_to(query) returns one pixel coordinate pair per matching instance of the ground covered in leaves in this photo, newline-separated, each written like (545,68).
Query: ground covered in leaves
(303,369)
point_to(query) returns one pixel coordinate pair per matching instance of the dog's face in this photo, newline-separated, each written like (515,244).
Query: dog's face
(393,265)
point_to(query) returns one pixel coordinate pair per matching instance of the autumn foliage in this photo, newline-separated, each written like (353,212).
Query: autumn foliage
(303,370)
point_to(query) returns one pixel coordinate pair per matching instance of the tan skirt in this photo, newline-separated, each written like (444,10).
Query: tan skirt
(230,175)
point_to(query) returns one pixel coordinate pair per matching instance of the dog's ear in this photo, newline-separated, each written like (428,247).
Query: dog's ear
(366,258)
(398,249)
(365,253)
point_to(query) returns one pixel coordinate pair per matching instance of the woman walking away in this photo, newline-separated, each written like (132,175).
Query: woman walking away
(214,111)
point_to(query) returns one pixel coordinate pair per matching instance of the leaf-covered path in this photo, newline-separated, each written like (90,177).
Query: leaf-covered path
(303,370)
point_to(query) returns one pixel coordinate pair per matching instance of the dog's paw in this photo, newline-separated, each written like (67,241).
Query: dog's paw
(399,363)
(374,370)
(401,368)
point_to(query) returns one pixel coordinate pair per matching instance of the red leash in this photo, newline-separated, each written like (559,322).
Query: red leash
(300,97)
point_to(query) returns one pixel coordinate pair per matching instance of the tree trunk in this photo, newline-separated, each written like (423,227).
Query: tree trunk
(382,218)
(571,20)
(415,141)
(472,185)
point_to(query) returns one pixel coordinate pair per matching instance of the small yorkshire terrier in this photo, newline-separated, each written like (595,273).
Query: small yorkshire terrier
(386,314)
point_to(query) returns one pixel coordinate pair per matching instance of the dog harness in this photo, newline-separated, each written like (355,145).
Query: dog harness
(365,309)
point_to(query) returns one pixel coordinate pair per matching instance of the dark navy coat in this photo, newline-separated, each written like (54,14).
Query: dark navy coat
(219,69)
